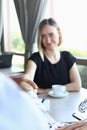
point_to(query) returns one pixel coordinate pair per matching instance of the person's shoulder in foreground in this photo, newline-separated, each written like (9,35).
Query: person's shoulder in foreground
(17,110)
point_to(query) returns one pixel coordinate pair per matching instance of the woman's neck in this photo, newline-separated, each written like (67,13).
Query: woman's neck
(52,55)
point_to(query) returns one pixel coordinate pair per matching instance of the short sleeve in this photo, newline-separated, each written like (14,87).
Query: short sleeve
(70,59)
(35,57)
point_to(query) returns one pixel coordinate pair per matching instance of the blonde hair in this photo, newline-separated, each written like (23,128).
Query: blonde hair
(43,23)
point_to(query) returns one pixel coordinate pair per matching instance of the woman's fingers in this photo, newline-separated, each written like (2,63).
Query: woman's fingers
(25,86)
(76,126)
(33,84)
(28,85)
(83,126)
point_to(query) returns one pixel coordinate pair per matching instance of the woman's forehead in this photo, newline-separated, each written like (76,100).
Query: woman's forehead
(48,28)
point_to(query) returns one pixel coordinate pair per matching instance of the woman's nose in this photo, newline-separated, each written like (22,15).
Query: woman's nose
(48,39)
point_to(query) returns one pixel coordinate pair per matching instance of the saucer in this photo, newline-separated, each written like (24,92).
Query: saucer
(50,93)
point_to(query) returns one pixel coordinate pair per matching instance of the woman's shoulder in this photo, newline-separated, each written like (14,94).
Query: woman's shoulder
(35,54)
(68,57)
(67,54)
(35,57)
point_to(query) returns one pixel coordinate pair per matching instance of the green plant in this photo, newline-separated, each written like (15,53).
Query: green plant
(18,43)
(83,74)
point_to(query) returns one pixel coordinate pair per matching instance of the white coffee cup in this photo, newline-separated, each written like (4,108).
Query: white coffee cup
(58,89)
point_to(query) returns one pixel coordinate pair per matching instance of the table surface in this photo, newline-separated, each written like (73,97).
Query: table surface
(11,70)
(61,109)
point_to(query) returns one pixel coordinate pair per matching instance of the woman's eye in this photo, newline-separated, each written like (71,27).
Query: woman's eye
(43,36)
(51,35)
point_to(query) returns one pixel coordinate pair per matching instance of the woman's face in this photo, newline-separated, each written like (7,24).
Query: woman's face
(49,37)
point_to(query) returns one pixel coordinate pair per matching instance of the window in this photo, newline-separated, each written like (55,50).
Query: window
(71,16)
(13,41)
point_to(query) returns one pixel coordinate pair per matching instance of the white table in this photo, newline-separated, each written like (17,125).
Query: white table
(11,70)
(61,109)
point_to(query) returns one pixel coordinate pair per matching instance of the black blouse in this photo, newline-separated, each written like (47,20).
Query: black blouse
(48,74)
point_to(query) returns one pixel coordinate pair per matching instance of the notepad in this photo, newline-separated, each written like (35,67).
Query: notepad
(81,111)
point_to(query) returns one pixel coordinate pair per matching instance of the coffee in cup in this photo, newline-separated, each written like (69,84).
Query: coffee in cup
(58,89)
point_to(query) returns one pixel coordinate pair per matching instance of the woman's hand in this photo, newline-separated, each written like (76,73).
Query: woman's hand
(28,85)
(82,125)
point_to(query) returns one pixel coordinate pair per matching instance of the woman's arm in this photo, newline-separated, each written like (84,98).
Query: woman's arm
(27,83)
(75,79)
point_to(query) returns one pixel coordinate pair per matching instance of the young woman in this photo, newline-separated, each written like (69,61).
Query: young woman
(50,66)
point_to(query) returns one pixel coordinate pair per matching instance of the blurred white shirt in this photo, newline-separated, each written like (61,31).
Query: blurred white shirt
(18,111)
